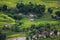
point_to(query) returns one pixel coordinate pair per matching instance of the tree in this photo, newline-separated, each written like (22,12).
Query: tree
(55,32)
(4,7)
(54,16)
(48,27)
(15,27)
(20,6)
(42,8)
(2,36)
(17,17)
(0,8)
(50,10)
(57,13)
(33,26)
(30,6)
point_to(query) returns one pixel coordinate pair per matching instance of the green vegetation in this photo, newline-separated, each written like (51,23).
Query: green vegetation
(12,3)
(16,15)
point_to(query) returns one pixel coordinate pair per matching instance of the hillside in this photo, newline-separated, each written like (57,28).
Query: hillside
(21,21)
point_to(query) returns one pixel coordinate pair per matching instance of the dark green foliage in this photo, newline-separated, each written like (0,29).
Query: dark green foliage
(2,36)
(48,27)
(0,8)
(27,38)
(54,17)
(32,27)
(15,28)
(4,7)
(57,13)
(20,7)
(40,29)
(17,17)
(5,28)
(55,32)
(50,10)
(30,8)
(24,9)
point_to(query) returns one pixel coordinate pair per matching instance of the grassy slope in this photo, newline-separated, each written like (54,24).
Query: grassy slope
(4,19)
(45,19)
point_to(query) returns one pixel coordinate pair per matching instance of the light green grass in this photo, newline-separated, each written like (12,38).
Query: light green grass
(12,3)
(14,34)
(4,19)
(45,19)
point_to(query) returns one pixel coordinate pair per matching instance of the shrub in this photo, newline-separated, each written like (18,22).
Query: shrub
(50,10)
(4,7)
(57,13)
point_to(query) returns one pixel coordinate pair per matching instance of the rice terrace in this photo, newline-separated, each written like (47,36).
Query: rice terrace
(29,19)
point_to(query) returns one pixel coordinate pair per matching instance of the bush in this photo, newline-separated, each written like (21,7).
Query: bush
(57,13)
(26,8)
(54,17)
(50,10)
(4,7)
(15,28)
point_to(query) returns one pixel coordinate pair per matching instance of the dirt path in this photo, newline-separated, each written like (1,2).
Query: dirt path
(18,38)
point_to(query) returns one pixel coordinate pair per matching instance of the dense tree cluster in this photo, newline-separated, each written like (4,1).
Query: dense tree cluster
(25,8)
(41,31)
(30,8)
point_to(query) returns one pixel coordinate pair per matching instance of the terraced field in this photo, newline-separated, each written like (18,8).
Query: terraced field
(5,19)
